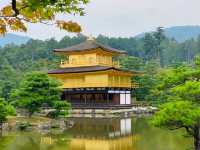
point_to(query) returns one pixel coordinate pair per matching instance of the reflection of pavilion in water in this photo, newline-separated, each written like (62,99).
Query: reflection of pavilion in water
(102,134)
(98,134)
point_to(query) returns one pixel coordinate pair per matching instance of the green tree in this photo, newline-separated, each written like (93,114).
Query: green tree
(146,81)
(159,38)
(149,46)
(131,63)
(36,89)
(182,88)
(5,110)
(180,114)
(189,49)
(61,109)
(165,80)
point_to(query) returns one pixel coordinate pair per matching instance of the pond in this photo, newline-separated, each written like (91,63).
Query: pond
(98,134)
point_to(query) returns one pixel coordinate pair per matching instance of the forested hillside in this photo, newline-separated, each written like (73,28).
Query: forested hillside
(180,33)
(183,33)
(38,55)
(13,38)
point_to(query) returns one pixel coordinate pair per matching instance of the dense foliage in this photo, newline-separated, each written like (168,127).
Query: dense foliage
(181,88)
(5,110)
(61,109)
(35,91)
(15,15)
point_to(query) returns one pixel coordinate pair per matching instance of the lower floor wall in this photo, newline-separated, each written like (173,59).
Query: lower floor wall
(98,97)
(123,96)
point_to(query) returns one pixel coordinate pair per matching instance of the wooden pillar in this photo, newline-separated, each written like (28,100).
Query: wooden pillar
(107,97)
(81,98)
(85,98)
(93,99)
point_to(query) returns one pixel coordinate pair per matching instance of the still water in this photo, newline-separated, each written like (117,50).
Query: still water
(99,134)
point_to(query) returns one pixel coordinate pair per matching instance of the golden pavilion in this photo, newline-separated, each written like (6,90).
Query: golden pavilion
(92,77)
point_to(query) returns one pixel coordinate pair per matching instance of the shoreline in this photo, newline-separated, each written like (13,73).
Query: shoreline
(109,113)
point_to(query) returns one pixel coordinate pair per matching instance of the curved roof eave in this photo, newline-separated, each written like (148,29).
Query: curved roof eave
(89,45)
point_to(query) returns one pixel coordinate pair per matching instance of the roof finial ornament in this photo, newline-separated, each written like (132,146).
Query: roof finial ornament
(90,38)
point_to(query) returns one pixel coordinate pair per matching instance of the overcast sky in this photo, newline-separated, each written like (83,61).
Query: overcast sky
(125,17)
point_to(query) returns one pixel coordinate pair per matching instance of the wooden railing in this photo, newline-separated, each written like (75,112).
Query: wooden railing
(100,106)
(65,63)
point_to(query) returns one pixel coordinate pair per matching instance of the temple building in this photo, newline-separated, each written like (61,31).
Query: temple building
(92,78)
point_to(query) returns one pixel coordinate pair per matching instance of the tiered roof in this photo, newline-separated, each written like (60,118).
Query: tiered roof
(85,69)
(89,45)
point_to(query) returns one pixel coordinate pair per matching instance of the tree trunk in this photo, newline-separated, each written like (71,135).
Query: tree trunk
(1,126)
(197,144)
(161,57)
(196,139)
(30,113)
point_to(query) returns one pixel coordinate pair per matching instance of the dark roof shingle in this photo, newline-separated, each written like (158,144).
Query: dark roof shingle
(89,45)
(83,69)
